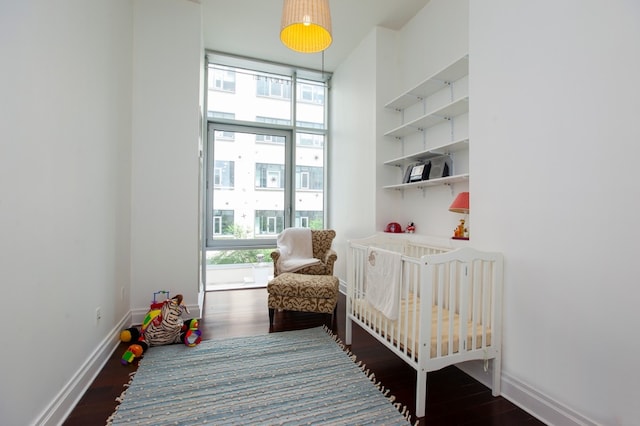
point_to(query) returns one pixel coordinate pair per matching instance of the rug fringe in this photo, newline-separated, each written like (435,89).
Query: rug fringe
(403,409)
(120,398)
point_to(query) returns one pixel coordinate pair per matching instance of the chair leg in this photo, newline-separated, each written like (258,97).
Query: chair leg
(333,316)
(271,315)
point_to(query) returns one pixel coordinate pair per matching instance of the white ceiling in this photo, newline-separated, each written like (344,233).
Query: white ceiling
(252,28)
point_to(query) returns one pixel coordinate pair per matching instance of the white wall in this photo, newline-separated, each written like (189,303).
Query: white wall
(167,60)
(65,156)
(98,184)
(554,101)
(351,160)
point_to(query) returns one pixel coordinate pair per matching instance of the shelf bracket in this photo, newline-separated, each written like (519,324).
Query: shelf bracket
(452,131)
(450,188)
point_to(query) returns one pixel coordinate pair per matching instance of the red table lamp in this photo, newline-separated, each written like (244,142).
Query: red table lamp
(460,205)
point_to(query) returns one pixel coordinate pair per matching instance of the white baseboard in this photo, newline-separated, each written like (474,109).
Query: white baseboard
(532,401)
(65,401)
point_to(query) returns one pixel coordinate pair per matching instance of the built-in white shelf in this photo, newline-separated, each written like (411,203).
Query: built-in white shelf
(446,149)
(419,95)
(431,85)
(432,118)
(431,182)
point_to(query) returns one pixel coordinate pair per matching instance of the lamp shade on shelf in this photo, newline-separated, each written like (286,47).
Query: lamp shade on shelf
(460,204)
(306,25)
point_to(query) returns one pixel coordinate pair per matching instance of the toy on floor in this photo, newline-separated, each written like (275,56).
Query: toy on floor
(162,325)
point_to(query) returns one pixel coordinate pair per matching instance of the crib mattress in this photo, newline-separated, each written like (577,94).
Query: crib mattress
(403,331)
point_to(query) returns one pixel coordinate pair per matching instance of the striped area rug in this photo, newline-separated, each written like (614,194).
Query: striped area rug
(287,378)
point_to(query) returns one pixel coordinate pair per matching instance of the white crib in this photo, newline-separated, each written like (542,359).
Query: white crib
(445,294)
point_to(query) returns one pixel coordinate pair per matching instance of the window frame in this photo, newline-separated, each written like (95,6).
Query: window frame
(289,190)
(263,126)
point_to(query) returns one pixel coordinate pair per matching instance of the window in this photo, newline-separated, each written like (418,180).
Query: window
(223,222)
(309,178)
(273,87)
(223,79)
(308,219)
(269,222)
(305,139)
(265,151)
(269,176)
(310,96)
(310,92)
(304,180)
(223,174)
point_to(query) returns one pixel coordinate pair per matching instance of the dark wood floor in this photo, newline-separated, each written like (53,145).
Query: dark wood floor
(453,398)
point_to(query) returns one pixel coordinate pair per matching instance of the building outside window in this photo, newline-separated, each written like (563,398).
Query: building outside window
(223,79)
(223,222)
(223,174)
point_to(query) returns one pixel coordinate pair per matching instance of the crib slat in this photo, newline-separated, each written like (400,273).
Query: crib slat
(442,290)
(475,307)
(462,305)
(486,301)
(454,290)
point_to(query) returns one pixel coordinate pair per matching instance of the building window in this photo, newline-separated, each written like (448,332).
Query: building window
(311,140)
(223,79)
(303,180)
(308,219)
(223,222)
(273,87)
(269,176)
(269,222)
(223,174)
(311,93)
(309,178)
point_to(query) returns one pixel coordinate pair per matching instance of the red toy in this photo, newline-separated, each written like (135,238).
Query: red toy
(394,228)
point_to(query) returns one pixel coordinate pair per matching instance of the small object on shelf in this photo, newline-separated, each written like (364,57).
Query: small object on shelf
(461,205)
(411,228)
(461,233)
(418,171)
(440,167)
(393,228)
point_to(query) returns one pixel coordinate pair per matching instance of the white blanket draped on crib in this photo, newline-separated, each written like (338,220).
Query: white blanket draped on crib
(383,281)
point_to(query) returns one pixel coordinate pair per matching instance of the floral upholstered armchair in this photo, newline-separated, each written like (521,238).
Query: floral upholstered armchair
(312,288)
(321,241)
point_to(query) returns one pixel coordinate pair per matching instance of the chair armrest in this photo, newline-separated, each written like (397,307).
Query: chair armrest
(330,258)
(275,255)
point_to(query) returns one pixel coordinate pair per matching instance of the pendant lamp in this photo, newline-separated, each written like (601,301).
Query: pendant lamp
(306,25)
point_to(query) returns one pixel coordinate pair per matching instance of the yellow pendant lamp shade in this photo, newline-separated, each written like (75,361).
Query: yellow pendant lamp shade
(306,25)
